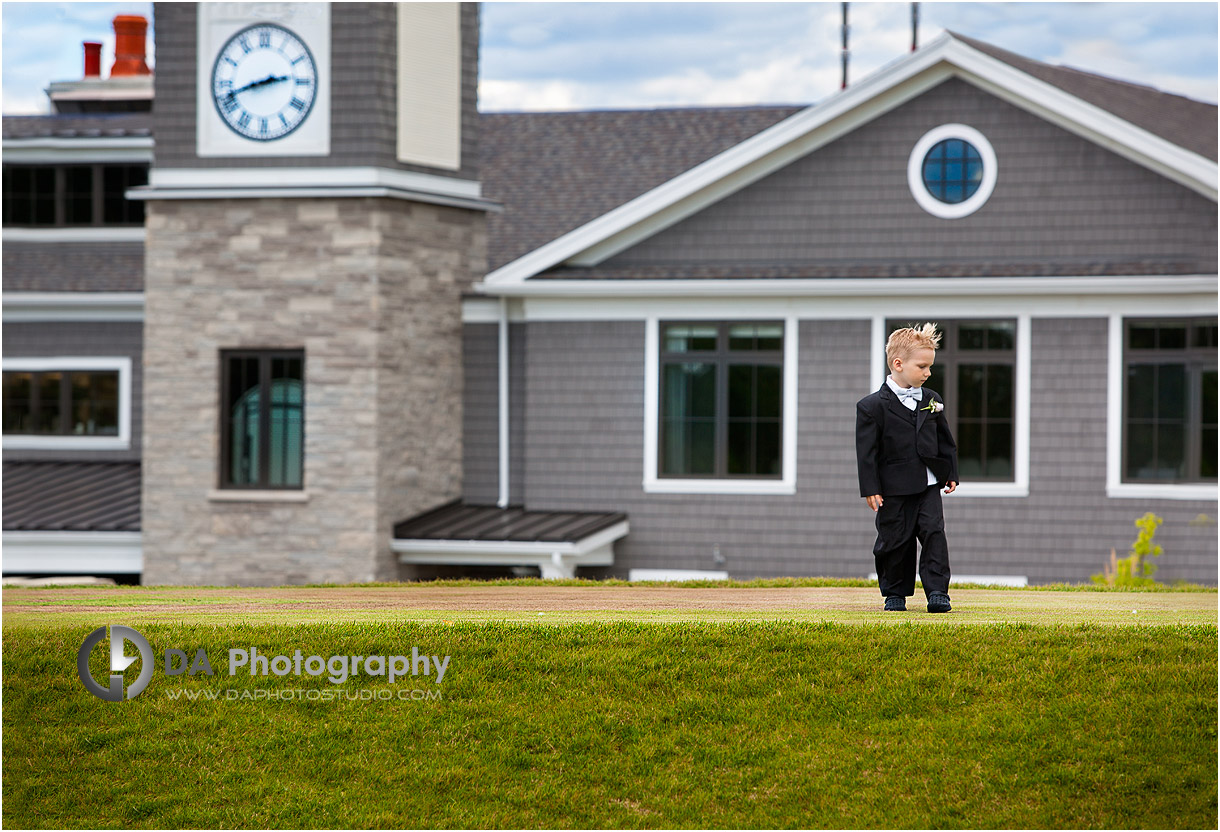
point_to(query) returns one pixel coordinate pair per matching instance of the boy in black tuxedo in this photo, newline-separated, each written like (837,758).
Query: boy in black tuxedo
(905,453)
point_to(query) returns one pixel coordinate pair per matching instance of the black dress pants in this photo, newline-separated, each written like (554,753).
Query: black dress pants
(900,522)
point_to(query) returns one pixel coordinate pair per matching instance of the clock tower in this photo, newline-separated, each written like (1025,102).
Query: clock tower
(314,215)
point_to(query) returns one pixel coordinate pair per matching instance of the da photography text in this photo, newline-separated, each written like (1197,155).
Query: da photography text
(247,661)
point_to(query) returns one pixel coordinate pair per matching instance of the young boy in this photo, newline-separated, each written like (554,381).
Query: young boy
(905,453)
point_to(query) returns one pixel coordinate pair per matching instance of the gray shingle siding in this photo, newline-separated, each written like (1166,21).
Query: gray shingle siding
(1058,198)
(364,85)
(73,267)
(584,436)
(94,338)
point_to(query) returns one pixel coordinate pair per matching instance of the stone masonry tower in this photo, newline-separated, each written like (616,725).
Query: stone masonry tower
(313,217)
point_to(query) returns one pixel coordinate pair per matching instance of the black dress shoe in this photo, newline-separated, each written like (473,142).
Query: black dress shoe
(895,603)
(938,602)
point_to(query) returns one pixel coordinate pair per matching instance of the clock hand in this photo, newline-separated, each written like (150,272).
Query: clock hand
(270,79)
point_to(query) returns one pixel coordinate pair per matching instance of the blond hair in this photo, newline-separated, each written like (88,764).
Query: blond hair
(903,342)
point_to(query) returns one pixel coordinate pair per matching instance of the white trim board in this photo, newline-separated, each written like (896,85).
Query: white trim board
(75,235)
(122,442)
(24,307)
(50,150)
(655,484)
(816,126)
(1115,487)
(76,553)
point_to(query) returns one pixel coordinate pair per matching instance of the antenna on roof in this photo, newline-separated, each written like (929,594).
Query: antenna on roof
(914,26)
(845,52)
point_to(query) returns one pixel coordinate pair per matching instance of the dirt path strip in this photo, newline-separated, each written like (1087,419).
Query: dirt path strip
(565,604)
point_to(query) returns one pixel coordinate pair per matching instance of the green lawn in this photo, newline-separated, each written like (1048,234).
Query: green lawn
(636,724)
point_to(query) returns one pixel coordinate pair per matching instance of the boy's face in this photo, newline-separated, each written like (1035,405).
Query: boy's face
(914,370)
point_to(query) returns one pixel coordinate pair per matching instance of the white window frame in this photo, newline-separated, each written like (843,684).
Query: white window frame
(654,484)
(1019,486)
(945,210)
(1115,487)
(122,442)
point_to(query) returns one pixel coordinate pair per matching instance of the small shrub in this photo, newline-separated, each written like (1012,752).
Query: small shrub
(1136,569)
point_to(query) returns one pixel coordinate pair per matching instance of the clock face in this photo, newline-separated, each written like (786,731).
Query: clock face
(264,82)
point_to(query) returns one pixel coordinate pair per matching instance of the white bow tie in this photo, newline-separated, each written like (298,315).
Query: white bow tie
(915,393)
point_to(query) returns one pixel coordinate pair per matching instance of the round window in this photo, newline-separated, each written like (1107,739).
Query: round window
(952,171)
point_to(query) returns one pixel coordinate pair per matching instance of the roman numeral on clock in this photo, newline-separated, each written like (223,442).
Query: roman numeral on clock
(297,104)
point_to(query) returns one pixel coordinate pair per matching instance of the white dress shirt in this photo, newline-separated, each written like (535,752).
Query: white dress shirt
(909,404)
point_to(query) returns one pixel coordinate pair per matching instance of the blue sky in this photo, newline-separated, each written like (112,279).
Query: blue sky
(555,56)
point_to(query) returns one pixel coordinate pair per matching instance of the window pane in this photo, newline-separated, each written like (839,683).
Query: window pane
(971,390)
(1171,337)
(287,430)
(1141,391)
(1207,420)
(78,195)
(767,448)
(741,391)
(1171,391)
(1171,451)
(18,387)
(1141,449)
(1001,335)
(999,391)
(740,457)
(49,418)
(936,379)
(690,338)
(1204,335)
(970,449)
(689,447)
(116,179)
(82,423)
(690,391)
(1143,337)
(971,337)
(243,421)
(999,449)
(770,393)
(756,337)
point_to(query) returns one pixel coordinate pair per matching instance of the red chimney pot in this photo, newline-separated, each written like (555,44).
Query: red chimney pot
(129,34)
(93,59)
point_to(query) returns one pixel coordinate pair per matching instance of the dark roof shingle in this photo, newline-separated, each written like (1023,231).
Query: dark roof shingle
(457,521)
(72,496)
(73,267)
(78,125)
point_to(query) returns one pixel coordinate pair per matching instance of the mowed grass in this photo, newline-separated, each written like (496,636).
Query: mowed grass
(631,724)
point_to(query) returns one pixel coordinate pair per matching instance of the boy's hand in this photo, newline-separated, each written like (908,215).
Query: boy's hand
(950,487)
(875,501)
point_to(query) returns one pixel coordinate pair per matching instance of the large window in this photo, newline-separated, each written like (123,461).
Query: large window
(721,400)
(262,419)
(61,403)
(975,372)
(72,195)
(1169,400)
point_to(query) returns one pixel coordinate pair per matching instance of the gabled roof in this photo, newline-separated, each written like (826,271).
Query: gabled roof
(1185,122)
(556,171)
(1075,101)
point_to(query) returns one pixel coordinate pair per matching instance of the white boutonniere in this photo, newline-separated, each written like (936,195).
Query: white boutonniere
(933,407)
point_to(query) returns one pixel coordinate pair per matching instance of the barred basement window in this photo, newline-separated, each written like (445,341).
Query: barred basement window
(262,419)
(61,403)
(975,372)
(1169,400)
(721,400)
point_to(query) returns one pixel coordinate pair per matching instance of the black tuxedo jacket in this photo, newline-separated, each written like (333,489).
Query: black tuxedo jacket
(895,446)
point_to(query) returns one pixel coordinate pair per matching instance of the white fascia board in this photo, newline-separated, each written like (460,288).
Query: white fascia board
(753,150)
(1086,120)
(308,177)
(74,235)
(76,553)
(861,287)
(23,307)
(53,150)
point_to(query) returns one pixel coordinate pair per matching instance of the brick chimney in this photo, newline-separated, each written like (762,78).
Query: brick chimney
(129,39)
(93,59)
